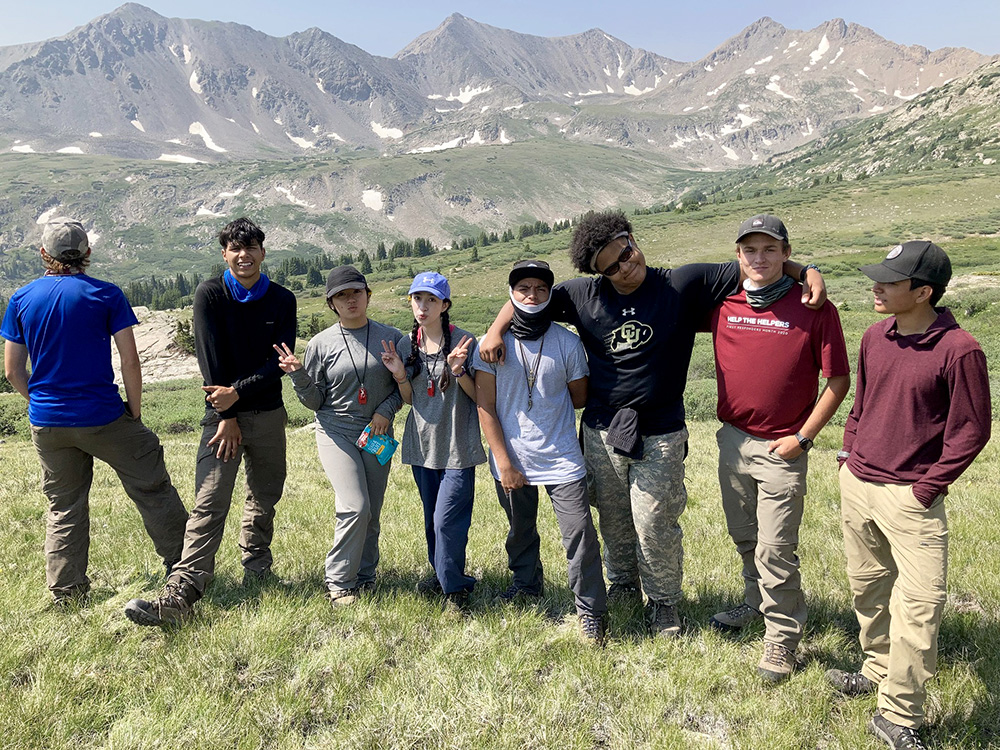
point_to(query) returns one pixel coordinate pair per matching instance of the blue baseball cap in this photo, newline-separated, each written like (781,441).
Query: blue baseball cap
(430,281)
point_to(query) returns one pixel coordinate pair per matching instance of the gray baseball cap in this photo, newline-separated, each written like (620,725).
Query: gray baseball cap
(765,224)
(65,239)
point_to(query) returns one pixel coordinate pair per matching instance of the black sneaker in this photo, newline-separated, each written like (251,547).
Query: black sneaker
(172,607)
(894,735)
(430,587)
(850,683)
(624,593)
(594,629)
(258,577)
(457,603)
(516,593)
(735,619)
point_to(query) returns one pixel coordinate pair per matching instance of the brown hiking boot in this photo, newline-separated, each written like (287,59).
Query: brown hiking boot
(172,607)
(593,628)
(662,620)
(342,597)
(777,663)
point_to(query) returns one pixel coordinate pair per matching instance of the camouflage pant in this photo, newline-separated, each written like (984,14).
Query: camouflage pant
(639,502)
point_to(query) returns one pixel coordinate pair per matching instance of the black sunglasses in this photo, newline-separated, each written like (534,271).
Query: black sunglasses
(623,257)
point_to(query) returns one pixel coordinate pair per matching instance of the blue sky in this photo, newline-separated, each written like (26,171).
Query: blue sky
(683,31)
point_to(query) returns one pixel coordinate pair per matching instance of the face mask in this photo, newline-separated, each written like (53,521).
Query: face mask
(530,321)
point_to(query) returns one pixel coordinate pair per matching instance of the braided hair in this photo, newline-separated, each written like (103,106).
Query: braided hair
(413,360)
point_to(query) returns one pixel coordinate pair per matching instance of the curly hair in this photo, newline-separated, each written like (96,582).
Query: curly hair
(592,233)
(241,233)
(76,265)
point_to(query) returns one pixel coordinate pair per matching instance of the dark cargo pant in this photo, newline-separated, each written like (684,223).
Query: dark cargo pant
(639,504)
(579,538)
(67,457)
(263,447)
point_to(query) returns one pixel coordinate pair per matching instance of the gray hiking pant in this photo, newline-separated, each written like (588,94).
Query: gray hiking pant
(359,483)
(263,450)
(583,550)
(67,457)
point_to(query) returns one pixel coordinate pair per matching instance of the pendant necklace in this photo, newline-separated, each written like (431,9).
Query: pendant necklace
(362,391)
(431,377)
(530,373)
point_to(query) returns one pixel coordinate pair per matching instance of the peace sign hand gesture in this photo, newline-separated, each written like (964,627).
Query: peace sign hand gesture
(458,355)
(392,361)
(287,360)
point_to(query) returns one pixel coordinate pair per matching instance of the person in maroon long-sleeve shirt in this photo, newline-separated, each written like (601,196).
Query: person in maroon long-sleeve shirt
(920,417)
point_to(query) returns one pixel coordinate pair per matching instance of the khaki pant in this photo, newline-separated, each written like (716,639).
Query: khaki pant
(897,564)
(67,457)
(263,448)
(639,504)
(762,497)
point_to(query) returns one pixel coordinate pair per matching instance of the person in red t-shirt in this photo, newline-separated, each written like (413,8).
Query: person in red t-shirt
(769,353)
(922,377)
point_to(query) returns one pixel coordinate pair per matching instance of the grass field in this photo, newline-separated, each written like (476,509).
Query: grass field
(278,669)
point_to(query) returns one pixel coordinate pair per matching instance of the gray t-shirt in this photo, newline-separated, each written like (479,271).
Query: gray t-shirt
(328,382)
(442,431)
(542,440)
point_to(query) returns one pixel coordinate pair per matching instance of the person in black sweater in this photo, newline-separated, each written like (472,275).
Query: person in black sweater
(238,318)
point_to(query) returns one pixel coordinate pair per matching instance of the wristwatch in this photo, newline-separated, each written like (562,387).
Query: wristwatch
(804,443)
(802,275)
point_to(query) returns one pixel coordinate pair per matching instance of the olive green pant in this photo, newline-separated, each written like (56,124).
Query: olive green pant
(897,564)
(67,457)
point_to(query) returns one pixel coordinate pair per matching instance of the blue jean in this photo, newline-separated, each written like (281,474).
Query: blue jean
(447,495)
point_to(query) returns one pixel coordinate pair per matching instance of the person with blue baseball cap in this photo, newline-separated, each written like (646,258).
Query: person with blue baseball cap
(441,440)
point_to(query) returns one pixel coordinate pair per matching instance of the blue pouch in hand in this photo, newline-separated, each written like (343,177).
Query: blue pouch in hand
(380,446)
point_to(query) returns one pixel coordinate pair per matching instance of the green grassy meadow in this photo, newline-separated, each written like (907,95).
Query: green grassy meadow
(277,668)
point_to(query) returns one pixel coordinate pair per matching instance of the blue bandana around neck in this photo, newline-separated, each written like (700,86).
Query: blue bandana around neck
(240,293)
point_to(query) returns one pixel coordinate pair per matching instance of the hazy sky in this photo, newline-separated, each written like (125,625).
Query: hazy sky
(685,31)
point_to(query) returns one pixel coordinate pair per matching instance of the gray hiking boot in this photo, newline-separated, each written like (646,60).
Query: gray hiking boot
(735,619)
(624,593)
(662,620)
(894,735)
(594,629)
(777,663)
(172,607)
(850,683)
(342,597)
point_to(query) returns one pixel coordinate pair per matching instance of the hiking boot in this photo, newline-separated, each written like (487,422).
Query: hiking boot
(624,593)
(172,607)
(517,593)
(777,663)
(457,603)
(662,620)
(594,629)
(850,683)
(735,619)
(343,597)
(430,587)
(894,735)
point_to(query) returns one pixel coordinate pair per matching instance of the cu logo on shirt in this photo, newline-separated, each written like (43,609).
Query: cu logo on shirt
(629,336)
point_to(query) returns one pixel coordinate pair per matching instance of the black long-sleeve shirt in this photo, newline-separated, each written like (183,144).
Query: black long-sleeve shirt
(234,340)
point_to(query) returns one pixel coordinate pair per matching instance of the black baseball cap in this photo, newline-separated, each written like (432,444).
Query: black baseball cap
(919,259)
(344,277)
(531,269)
(765,224)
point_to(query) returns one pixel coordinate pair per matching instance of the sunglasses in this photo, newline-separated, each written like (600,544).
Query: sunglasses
(626,255)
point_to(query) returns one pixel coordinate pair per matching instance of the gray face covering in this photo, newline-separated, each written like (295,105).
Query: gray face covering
(761,297)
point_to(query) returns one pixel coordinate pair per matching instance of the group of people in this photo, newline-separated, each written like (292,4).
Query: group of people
(774,334)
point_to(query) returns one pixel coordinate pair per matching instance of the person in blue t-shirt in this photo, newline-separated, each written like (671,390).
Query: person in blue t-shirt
(64,323)
(526,411)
